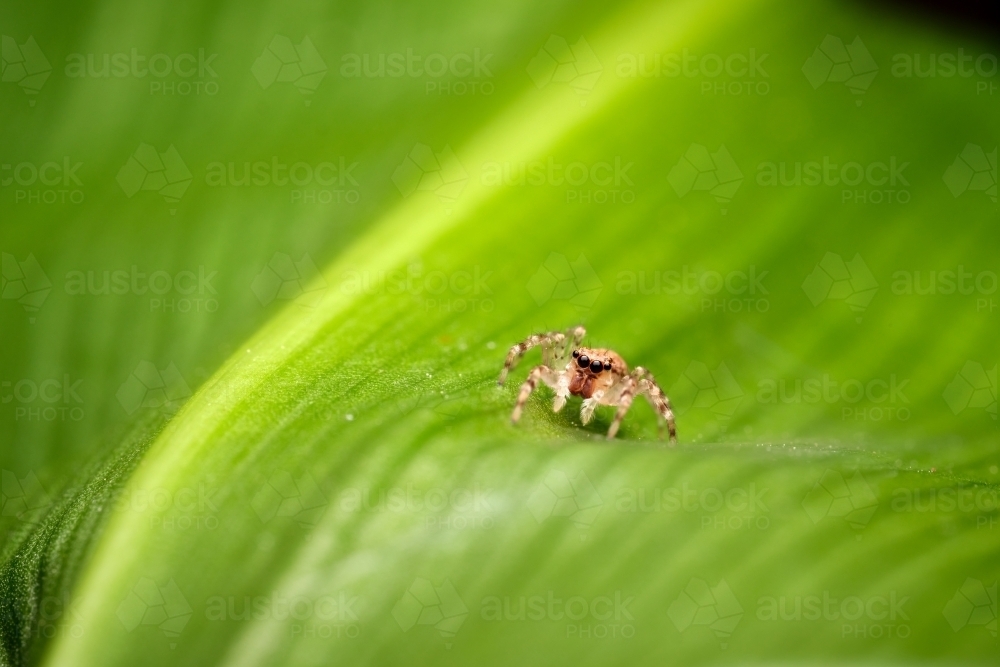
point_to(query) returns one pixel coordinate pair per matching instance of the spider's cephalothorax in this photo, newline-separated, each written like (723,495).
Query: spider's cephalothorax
(599,376)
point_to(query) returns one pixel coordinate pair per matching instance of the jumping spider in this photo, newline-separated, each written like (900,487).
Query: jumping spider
(598,375)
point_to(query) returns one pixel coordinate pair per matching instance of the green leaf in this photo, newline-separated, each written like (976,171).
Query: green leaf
(347,487)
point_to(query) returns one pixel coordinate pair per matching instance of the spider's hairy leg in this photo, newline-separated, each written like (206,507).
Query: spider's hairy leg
(659,401)
(589,405)
(538,373)
(562,391)
(624,403)
(517,351)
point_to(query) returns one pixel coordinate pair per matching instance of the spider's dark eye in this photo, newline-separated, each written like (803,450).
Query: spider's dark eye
(607,365)
(596,366)
(584,361)
(576,353)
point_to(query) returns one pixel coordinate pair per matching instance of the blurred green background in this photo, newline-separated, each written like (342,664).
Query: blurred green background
(262,263)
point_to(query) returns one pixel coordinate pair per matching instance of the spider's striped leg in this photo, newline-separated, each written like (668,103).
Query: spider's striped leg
(537,374)
(624,403)
(517,351)
(659,401)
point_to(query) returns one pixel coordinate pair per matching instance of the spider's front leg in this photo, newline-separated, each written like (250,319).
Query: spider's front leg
(554,346)
(538,373)
(624,403)
(661,403)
